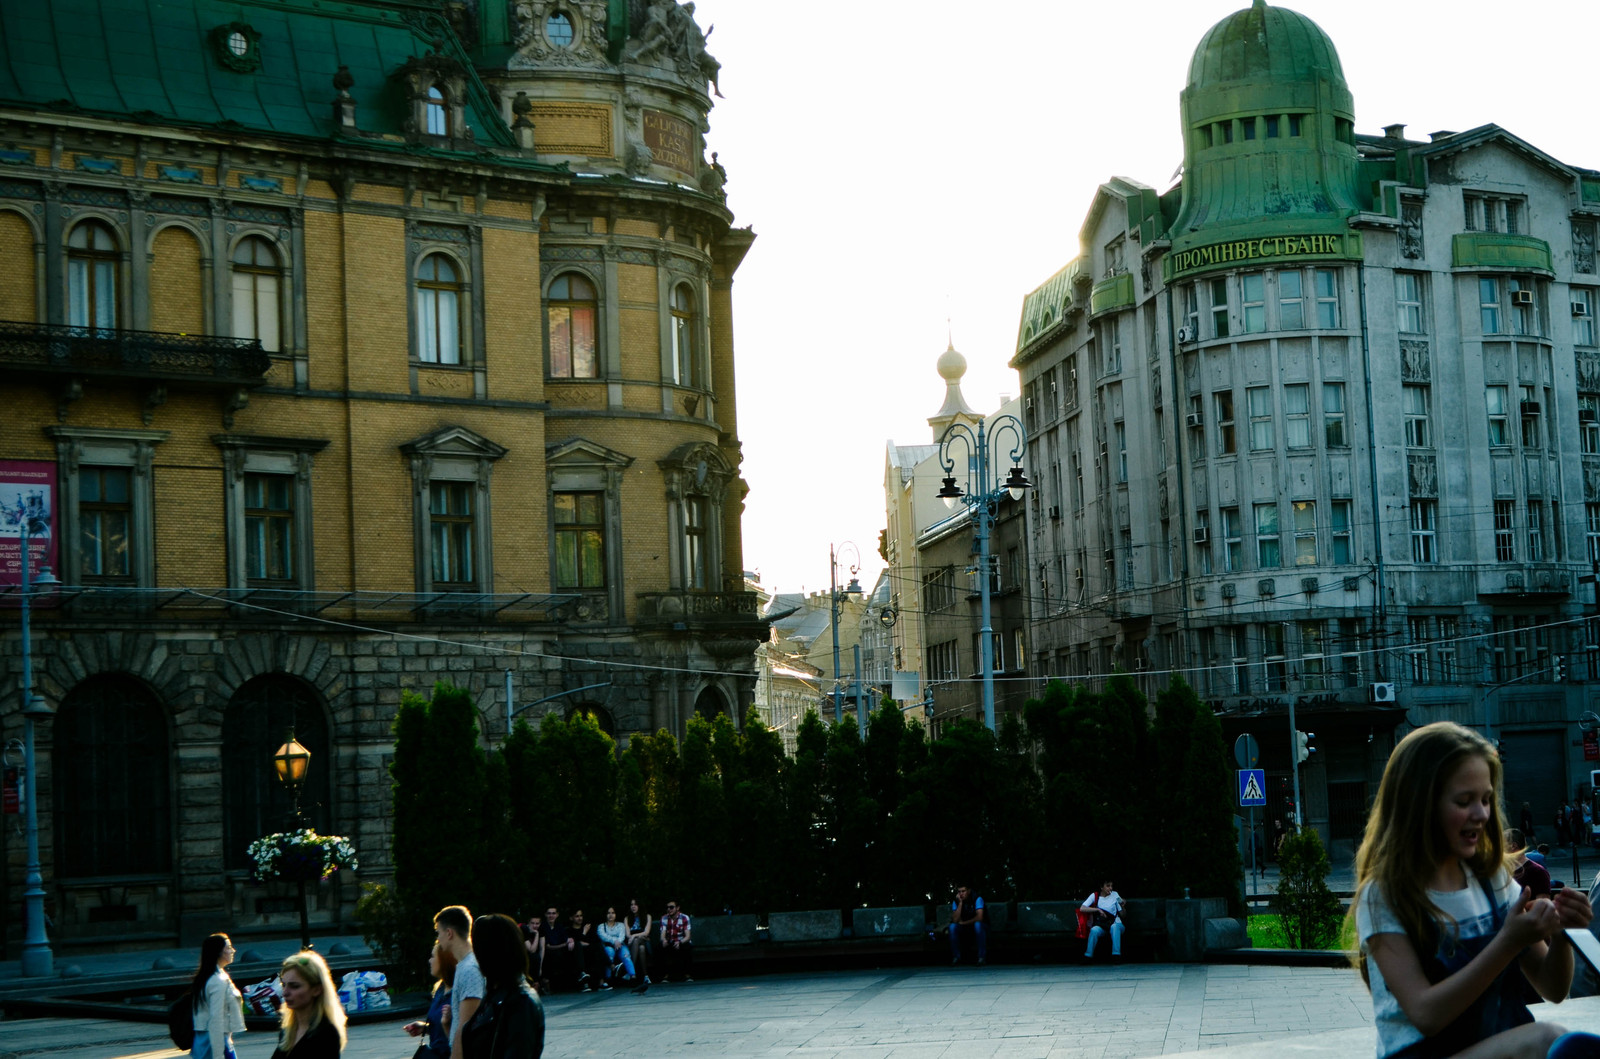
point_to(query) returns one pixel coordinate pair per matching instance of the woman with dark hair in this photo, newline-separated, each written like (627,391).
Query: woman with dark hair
(218,1007)
(509,1024)
(442,968)
(638,923)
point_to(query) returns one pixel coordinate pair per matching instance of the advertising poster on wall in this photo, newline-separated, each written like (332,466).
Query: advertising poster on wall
(27,498)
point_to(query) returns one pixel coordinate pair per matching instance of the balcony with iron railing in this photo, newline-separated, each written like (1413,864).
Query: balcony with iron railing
(57,351)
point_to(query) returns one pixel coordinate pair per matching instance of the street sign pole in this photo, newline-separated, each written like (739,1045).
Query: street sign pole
(1247,752)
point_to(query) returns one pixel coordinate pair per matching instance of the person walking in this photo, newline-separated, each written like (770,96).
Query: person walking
(509,1024)
(311,1022)
(442,969)
(218,1006)
(452,928)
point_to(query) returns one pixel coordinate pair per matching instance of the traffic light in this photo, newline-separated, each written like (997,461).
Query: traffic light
(1558,668)
(1302,746)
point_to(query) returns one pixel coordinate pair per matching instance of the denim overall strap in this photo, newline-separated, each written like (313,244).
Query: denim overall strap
(1500,1007)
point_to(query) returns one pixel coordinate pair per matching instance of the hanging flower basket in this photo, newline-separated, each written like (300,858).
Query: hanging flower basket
(300,856)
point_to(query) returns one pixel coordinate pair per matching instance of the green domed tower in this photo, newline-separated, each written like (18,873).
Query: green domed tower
(1269,139)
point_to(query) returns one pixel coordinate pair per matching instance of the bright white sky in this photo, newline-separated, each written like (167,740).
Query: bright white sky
(907,161)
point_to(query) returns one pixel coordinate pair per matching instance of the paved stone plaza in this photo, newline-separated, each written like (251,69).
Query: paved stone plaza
(902,1013)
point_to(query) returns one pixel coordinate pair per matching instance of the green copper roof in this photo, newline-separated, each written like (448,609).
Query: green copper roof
(156,61)
(1262,43)
(1269,133)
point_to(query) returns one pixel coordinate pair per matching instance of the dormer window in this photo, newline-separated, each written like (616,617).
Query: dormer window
(438,117)
(558,29)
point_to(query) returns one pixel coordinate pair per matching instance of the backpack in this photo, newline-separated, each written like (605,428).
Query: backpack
(180,1021)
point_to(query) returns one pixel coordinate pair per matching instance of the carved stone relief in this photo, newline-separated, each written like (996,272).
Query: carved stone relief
(1583,246)
(667,38)
(1588,371)
(1410,228)
(1414,363)
(1422,476)
(1591,482)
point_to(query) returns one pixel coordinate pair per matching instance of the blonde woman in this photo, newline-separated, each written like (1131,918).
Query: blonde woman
(218,1011)
(312,1021)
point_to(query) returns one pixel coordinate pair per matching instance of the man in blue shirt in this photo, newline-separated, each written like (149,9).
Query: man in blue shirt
(967,915)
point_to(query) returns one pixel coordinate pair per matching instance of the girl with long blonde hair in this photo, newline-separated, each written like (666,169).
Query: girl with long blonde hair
(311,1022)
(1446,935)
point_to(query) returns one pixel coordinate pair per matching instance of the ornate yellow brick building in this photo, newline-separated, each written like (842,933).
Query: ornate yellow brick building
(349,346)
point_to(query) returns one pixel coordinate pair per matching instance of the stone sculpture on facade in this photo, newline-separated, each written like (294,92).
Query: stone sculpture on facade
(1582,247)
(668,36)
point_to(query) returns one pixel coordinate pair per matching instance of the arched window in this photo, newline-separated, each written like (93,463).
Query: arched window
(685,325)
(258,720)
(438,116)
(573,308)
(598,714)
(92,261)
(710,703)
(255,292)
(113,802)
(438,311)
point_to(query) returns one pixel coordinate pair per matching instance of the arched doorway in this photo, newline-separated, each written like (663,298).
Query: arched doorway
(598,714)
(710,703)
(112,763)
(258,719)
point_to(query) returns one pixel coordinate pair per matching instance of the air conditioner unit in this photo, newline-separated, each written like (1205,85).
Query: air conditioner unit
(1580,308)
(1522,297)
(1185,335)
(1055,512)
(1201,534)
(1077,573)
(1530,408)
(1586,415)
(1195,419)
(1229,590)
(1383,692)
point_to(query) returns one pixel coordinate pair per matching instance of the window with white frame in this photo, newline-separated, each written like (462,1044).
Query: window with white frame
(1489,305)
(1530,409)
(450,471)
(1417,649)
(257,309)
(1273,650)
(1305,532)
(1258,400)
(1493,213)
(1339,531)
(439,296)
(438,116)
(1496,399)
(1423,515)
(1313,663)
(1583,306)
(685,337)
(572,312)
(1110,335)
(1232,540)
(106,504)
(1119,436)
(1253,301)
(1408,303)
(1589,422)
(1510,305)
(1591,531)
(1535,532)
(1239,651)
(1333,415)
(1505,531)
(1202,536)
(1297,416)
(1414,402)
(1445,650)
(1191,308)
(1269,547)
(1291,301)
(1219,307)
(1222,401)
(93,261)
(1325,285)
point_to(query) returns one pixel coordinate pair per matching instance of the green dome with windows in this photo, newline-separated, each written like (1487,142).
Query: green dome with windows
(1269,144)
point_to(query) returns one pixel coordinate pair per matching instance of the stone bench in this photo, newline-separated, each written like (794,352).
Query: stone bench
(819,925)
(724,932)
(890,924)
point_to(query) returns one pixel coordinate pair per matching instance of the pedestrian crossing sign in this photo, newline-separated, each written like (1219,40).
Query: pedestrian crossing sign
(1252,787)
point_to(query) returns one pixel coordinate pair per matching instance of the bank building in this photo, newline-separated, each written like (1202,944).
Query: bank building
(1320,425)
(347,346)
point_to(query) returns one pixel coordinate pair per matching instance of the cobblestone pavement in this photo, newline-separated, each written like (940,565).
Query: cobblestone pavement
(916,1013)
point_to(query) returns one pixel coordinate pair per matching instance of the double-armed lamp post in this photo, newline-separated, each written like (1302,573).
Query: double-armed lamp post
(37,959)
(984,491)
(834,595)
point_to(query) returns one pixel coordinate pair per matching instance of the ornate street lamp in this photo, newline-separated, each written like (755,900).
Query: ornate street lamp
(985,489)
(291,762)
